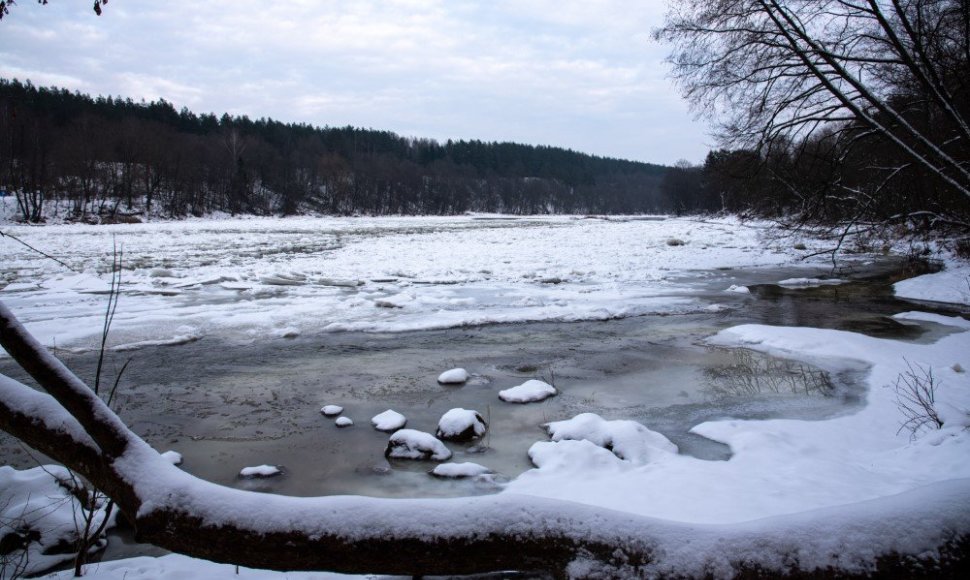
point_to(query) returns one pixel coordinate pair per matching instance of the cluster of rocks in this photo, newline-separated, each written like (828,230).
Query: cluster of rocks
(457,425)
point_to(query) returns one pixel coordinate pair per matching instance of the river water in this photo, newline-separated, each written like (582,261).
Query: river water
(225,406)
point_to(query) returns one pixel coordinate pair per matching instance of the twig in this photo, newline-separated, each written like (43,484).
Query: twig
(41,252)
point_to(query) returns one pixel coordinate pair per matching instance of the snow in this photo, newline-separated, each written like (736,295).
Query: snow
(332,410)
(178,567)
(413,444)
(460,470)
(778,467)
(176,340)
(389,420)
(810,282)
(39,500)
(461,424)
(244,279)
(952,285)
(453,377)
(260,471)
(821,493)
(736,289)
(530,391)
(628,440)
(344,422)
(173,457)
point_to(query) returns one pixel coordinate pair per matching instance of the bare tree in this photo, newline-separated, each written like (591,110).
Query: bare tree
(790,70)
(6,4)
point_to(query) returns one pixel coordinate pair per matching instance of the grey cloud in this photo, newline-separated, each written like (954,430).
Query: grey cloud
(577,74)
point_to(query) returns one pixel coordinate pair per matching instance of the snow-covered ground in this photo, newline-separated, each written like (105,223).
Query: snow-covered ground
(832,492)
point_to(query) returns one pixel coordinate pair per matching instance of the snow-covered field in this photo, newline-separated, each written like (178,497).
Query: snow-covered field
(834,492)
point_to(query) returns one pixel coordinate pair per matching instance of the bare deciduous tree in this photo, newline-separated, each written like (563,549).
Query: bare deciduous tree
(6,4)
(795,71)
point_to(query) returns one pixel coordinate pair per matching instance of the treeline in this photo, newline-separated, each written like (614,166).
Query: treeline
(110,157)
(848,175)
(862,116)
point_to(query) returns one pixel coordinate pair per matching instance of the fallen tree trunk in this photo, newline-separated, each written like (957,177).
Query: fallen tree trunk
(179,512)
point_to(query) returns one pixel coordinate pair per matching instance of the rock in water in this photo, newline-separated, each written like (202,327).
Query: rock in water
(260,471)
(460,470)
(461,425)
(413,444)
(389,421)
(453,377)
(528,392)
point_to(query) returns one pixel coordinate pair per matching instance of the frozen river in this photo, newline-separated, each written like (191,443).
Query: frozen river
(245,280)
(239,331)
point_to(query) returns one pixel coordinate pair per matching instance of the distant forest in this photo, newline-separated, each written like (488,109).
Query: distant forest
(109,158)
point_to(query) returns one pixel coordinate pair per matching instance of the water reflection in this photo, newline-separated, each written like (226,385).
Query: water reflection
(753,373)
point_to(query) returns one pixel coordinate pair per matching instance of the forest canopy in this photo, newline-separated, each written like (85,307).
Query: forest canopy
(105,156)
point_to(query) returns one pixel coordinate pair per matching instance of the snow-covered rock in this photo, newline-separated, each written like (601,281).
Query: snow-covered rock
(389,421)
(453,377)
(461,425)
(344,422)
(627,440)
(413,444)
(738,289)
(332,410)
(460,470)
(530,391)
(260,471)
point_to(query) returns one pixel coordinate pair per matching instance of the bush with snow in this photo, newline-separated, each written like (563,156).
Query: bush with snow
(413,444)
(461,425)
(453,377)
(389,421)
(530,391)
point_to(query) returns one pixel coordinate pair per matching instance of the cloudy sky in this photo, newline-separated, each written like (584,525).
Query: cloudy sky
(582,74)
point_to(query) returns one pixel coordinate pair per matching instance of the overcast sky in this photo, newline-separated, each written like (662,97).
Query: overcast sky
(582,74)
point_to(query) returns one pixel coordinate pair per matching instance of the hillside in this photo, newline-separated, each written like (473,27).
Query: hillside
(107,157)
